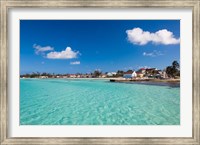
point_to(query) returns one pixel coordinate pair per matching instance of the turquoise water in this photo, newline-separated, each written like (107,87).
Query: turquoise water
(97,102)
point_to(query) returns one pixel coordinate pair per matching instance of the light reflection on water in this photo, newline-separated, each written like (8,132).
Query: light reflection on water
(97,102)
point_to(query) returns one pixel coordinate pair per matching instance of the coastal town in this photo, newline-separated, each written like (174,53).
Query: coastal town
(170,72)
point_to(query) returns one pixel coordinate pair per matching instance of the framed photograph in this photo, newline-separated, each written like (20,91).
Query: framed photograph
(100,72)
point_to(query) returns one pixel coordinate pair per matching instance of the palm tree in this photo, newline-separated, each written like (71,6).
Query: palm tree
(175,65)
(97,73)
(173,70)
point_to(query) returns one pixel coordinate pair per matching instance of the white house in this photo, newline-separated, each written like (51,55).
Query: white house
(43,77)
(164,75)
(102,76)
(110,74)
(72,76)
(130,74)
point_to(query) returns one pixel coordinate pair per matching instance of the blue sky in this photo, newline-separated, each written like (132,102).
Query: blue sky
(82,46)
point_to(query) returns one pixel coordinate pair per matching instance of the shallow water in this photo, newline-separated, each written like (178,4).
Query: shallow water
(97,102)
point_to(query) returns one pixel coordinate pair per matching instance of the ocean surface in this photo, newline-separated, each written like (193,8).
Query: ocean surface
(97,102)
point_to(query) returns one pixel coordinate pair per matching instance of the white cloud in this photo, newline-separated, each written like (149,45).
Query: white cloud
(140,37)
(75,62)
(153,54)
(39,49)
(68,53)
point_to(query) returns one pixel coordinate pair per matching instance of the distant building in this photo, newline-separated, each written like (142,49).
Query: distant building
(88,76)
(164,75)
(43,77)
(160,72)
(110,74)
(72,76)
(130,74)
(142,70)
(139,74)
(103,76)
(150,70)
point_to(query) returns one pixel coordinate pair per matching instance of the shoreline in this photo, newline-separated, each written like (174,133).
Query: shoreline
(121,79)
(147,80)
(75,78)
(157,82)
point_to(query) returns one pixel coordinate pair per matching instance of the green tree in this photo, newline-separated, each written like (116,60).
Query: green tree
(173,70)
(97,73)
(120,73)
(169,71)
(175,65)
(130,71)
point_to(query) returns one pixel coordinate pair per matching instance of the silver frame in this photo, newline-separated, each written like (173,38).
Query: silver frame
(5,5)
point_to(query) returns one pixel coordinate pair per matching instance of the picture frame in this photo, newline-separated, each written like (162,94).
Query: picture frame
(4,85)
